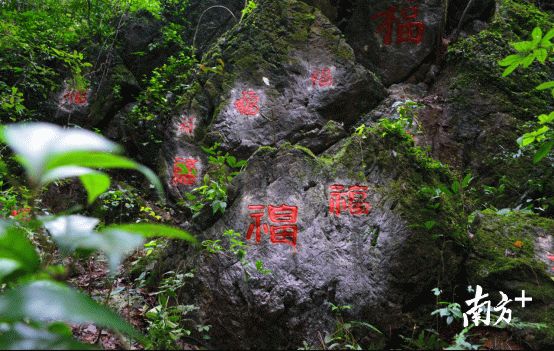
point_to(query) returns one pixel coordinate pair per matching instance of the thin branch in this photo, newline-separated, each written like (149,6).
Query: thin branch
(202,15)
(462,19)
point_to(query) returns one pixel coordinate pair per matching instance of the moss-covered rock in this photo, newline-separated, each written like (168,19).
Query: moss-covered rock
(475,115)
(509,254)
(118,89)
(385,47)
(279,54)
(382,263)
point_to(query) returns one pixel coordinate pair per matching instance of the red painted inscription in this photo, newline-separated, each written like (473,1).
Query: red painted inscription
(283,228)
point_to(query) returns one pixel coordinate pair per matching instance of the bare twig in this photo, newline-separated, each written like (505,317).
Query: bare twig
(462,19)
(202,15)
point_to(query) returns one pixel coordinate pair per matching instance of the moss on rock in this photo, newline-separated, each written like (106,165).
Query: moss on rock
(504,258)
(476,58)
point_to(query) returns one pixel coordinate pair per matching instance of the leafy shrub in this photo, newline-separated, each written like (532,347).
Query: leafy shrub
(34,308)
(539,48)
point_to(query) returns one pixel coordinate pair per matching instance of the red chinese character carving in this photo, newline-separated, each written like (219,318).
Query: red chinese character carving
(406,32)
(187,125)
(247,105)
(288,232)
(286,216)
(337,202)
(322,78)
(356,196)
(551,258)
(184,171)
(257,225)
(73,97)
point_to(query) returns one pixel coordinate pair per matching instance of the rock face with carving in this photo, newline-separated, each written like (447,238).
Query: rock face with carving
(392,38)
(339,220)
(332,230)
(284,82)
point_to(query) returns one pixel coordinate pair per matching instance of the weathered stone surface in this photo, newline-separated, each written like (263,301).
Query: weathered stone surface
(391,58)
(139,31)
(498,264)
(212,18)
(97,105)
(473,115)
(383,264)
(379,263)
(118,89)
(279,55)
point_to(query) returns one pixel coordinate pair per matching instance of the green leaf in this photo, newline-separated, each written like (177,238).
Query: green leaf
(24,337)
(509,70)
(467,179)
(523,46)
(456,187)
(17,254)
(541,55)
(543,151)
(367,325)
(45,300)
(231,161)
(116,246)
(90,160)
(546,40)
(63,173)
(106,161)
(7,267)
(429,224)
(95,184)
(537,35)
(527,61)
(546,85)
(70,231)
(35,143)
(526,139)
(545,119)
(76,232)
(149,230)
(510,60)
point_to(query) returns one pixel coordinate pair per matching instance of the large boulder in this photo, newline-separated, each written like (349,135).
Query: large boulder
(96,105)
(139,32)
(345,228)
(473,115)
(392,38)
(285,74)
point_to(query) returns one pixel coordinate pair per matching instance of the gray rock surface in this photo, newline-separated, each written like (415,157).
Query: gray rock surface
(392,38)
(301,77)
(372,261)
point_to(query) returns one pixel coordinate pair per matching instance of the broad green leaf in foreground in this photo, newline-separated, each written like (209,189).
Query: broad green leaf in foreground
(24,337)
(543,151)
(49,301)
(49,152)
(149,230)
(16,252)
(95,182)
(77,232)
(116,241)
(35,143)
(104,161)
(69,231)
